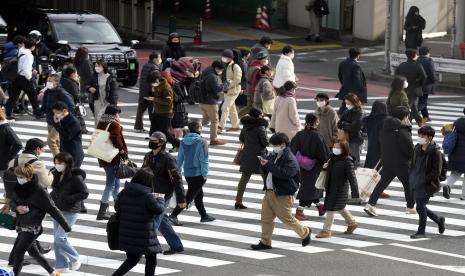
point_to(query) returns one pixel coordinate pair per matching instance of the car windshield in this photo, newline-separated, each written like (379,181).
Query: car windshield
(88,32)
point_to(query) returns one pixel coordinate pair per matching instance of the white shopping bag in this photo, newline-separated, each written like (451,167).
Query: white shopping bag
(101,146)
(173,202)
(367,180)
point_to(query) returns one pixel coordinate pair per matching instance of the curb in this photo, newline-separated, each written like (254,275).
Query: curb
(187,47)
(379,76)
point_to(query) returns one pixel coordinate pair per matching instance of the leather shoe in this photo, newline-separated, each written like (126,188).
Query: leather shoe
(260,246)
(172,251)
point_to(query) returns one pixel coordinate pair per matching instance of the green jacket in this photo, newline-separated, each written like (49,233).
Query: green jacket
(397,99)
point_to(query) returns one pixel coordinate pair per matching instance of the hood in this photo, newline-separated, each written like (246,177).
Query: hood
(250,122)
(79,172)
(136,189)
(191,138)
(27,189)
(394,124)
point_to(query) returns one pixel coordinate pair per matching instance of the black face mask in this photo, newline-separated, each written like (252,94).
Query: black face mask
(154,146)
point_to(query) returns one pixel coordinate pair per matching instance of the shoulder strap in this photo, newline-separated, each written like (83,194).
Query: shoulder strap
(30,162)
(15,164)
(108,126)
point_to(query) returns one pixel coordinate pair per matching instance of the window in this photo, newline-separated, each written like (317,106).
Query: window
(88,32)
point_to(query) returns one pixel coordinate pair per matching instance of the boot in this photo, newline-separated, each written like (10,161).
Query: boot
(102,212)
(299,214)
(321,209)
(83,208)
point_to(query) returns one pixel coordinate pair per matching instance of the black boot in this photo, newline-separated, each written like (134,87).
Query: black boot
(83,208)
(102,212)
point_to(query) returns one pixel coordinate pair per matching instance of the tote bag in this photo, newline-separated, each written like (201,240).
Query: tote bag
(239,154)
(320,183)
(101,146)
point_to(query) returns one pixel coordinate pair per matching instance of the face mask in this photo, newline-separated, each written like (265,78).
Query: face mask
(22,181)
(50,85)
(225,60)
(155,84)
(320,104)
(405,84)
(291,56)
(154,145)
(266,62)
(277,150)
(337,151)
(422,141)
(98,69)
(349,106)
(60,167)
(406,122)
(219,72)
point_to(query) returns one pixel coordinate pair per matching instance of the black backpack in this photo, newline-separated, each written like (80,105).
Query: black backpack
(320,8)
(9,69)
(196,92)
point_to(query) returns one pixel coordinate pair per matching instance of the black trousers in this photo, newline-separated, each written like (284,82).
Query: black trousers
(26,242)
(141,108)
(132,260)
(194,192)
(423,105)
(21,83)
(387,175)
(424,213)
(162,122)
(414,114)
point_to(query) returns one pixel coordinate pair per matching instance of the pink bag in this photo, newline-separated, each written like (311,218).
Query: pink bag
(305,162)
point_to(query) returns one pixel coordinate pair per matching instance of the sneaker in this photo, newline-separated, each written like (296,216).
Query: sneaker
(172,251)
(61,270)
(410,211)
(217,142)
(76,266)
(351,229)
(233,129)
(446,192)
(321,210)
(306,241)
(207,218)
(417,236)
(174,220)
(323,234)
(260,246)
(370,210)
(442,225)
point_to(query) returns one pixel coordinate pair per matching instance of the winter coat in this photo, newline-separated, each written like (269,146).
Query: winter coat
(11,50)
(457,157)
(234,76)
(137,208)
(284,71)
(166,174)
(111,89)
(211,86)
(70,132)
(255,140)
(51,97)
(352,79)
(414,26)
(69,193)
(72,87)
(257,48)
(396,145)
(415,74)
(373,124)
(339,173)
(11,145)
(163,98)
(117,139)
(328,124)
(398,98)
(193,155)
(432,169)
(286,117)
(85,70)
(34,196)
(172,51)
(180,115)
(145,87)
(310,143)
(252,76)
(351,122)
(264,91)
(45,179)
(285,171)
(428,66)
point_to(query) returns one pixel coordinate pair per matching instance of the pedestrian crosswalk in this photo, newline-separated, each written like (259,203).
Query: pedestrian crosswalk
(226,240)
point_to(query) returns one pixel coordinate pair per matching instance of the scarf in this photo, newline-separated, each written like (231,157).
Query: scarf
(107,118)
(288,94)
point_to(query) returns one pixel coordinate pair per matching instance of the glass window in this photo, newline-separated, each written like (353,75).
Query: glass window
(89,32)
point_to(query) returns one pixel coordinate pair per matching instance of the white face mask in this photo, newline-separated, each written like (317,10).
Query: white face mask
(50,85)
(320,103)
(22,181)
(98,69)
(266,62)
(277,150)
(225,60)
(349,106)
(60,167)
(155,84)
(405,84)
(291,55)
(422,141)
(337,151)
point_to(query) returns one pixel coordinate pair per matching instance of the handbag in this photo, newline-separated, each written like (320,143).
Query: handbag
(320,183)
(101,146)
(125,169)
(267,105)
(450,141)
(305,162)
(8,221)
(113,232)
(239,154)
(367,179)
(81,110)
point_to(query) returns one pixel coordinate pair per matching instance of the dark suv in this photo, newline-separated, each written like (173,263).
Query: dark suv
(74,29)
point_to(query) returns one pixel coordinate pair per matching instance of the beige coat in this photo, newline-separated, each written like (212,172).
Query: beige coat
(286,117)
(45,178)
(328,124)
(234,77)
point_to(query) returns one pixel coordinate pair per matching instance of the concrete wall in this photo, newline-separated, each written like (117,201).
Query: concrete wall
(296,13)
(373,11)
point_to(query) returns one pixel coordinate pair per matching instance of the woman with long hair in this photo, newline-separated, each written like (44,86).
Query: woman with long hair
(414,26)
(84,68)
(351,123)
(397,95)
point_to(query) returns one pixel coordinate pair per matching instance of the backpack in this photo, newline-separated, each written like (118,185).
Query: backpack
(320,8)
(196,91)
(10,179)
(9,69)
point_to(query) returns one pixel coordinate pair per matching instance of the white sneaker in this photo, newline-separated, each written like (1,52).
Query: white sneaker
(76,266)
(370,210)
(410,211)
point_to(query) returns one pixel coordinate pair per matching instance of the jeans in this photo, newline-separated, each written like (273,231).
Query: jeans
(194,192)
(21,83)
(132,260)
(26,241)
(387,175)
(241,187)
(64,251)
(424,213)
(141,108)
(454,177)
(112,185)
(162,122)
(164,227)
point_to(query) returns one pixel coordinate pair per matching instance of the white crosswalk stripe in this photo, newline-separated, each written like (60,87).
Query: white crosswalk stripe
(226,240)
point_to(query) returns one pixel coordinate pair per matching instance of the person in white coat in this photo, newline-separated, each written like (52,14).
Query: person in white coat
(285,118)
(233,74)
(285,68)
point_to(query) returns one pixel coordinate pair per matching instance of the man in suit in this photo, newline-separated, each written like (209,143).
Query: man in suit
(352,78)
(428,87)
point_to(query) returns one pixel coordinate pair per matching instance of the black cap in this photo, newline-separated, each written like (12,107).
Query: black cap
(157,136)
(34,143)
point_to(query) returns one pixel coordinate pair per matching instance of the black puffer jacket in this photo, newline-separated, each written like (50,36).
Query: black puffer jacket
(111,93)
(69,192)
(351,122)
(255,141)
(396,145)
(285,171)
(39,202)
(137,208)
(71,86)
(340,173)
(372,125)
(11,145)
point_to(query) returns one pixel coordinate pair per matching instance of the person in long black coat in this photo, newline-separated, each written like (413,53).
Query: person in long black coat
(173,49)
(352,78)
(255,140)
(70,82)
(339,173)
(428,87)
(372,125)
(310,143)
(414,26)
(11,144)
(137,208)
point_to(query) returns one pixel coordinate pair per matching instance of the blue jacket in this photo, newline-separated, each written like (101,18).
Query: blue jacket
(193,154)
(285,171)
(51,96)
(10,49)
(457,156)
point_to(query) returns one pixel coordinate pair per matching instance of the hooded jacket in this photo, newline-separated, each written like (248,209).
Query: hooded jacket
(432,170)
(396,99)
(52,96)
(234,76)
(252,73)
(69,192)
(328,124)
(264,91)
(70,132)
(284,71)
(372,125)
(163,98)
(255,140)
(396,145)
(193,155)
(11,144)
(45,179)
